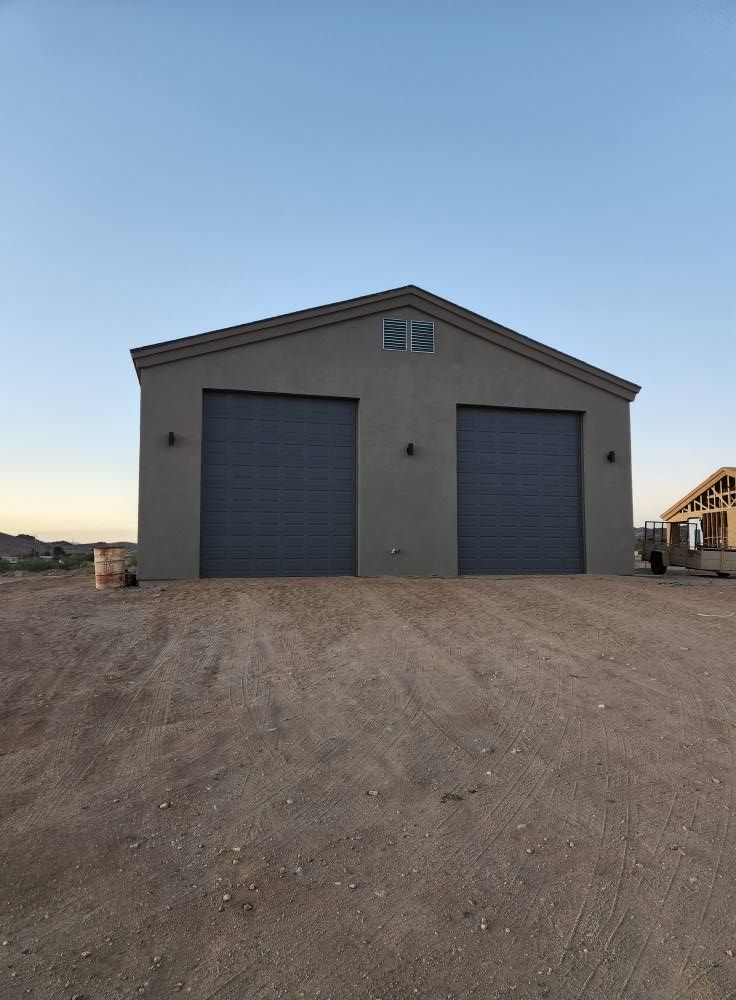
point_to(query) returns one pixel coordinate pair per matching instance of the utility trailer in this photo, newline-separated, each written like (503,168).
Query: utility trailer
(680,543)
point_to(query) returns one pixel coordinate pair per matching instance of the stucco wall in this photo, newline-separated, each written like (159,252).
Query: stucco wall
(405,502)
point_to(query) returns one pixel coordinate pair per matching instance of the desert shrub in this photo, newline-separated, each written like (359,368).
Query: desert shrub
(75,560)
(33,565)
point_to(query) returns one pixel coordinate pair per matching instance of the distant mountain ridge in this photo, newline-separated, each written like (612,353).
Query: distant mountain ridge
(21,545)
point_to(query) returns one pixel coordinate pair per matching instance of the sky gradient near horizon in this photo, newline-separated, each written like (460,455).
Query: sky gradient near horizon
(566,169)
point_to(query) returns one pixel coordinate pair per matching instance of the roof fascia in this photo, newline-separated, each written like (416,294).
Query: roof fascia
(407,296)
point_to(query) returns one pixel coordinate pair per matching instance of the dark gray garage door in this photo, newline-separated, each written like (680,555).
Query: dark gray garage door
(518,491)
(278,486)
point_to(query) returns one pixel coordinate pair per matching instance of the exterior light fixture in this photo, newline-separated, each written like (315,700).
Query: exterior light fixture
(410,448)
(171,439)
(611,456)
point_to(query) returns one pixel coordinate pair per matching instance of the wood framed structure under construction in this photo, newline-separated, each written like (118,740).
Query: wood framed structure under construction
(714,500)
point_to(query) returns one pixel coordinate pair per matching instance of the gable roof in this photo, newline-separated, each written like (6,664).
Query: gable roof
(726,470)
(407,296)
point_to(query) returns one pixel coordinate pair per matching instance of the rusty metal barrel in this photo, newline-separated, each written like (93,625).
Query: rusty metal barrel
(109,567)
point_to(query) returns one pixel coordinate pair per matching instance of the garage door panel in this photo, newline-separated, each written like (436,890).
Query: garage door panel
(278,485)
(519,491)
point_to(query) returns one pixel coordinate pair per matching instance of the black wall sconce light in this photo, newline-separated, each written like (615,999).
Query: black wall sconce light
(172,438)
(611,456)
(410,448)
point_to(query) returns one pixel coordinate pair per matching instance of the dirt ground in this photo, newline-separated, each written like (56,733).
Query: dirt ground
(388,788)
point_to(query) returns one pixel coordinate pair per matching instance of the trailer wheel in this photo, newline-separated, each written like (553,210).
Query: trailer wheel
(656,563)
(722,575)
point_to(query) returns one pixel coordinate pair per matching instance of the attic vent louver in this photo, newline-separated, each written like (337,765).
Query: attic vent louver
(394,334)
(422,336)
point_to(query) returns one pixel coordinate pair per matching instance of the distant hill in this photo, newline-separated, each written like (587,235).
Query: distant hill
(21,545)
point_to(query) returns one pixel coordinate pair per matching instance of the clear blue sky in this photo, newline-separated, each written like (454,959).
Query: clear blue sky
(568,169)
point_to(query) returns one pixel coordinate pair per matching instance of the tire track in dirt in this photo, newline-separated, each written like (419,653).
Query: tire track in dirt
(453,873)
(612,934)
(616,895)
(702,921)
(443,653)
(510,799)
(346,780)
(399,661)
(653,925)
(697,719)
(528,656)
(323,752)
(444,700)
(459,853)
(250,697)
(601,927)
(593,899)
(626,633)
(238,670)
(61,697)
(47,809)
(155,715)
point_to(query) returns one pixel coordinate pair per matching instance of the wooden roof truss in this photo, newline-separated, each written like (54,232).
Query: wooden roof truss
(711,501)
(720,496)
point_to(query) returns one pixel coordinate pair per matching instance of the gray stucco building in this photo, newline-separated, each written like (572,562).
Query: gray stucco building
(395,433)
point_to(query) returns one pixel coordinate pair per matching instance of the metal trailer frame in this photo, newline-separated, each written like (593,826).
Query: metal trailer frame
(665,544)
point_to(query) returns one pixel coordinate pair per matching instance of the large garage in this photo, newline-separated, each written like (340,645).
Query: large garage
(395,434)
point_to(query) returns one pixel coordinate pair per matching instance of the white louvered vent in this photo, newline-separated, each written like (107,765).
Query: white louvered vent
(394,334)
(422,336)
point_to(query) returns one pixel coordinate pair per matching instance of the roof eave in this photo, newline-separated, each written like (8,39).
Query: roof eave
(306,319)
